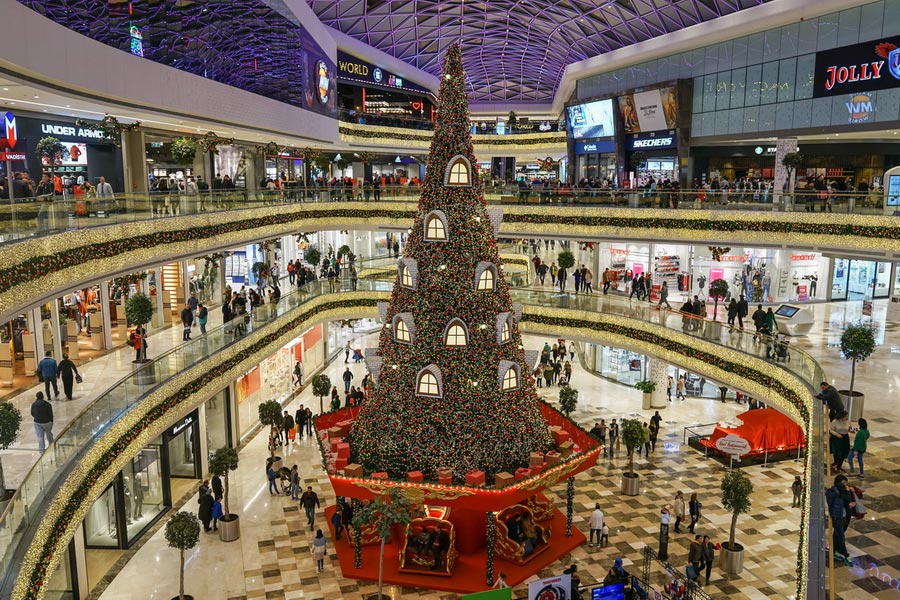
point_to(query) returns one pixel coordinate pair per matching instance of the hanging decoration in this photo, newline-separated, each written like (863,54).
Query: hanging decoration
(547,164)
(110,126)
(209,142)
(212,259)
(131,278)
(718,252)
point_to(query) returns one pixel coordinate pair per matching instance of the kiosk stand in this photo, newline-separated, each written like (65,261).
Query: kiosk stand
(793,320)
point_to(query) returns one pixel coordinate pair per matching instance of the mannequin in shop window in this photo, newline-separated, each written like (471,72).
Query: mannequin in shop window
(813,281)
(701,283)
(138,496)
(126,484)
(796,279)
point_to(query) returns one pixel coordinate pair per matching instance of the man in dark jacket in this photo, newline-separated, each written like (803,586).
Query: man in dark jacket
(187,319)
(67,371)
(286,426)
(42,413)
(742,310)
(759,320)
(831,398)
(840,504)
(309,500)
(300,421)
(206,509)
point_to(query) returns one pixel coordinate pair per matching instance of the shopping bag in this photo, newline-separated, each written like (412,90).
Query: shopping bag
(691,572)
(292,433)
(78,378)
(217,510)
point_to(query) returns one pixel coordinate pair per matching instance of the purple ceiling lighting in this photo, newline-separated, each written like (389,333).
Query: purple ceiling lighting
(513,49)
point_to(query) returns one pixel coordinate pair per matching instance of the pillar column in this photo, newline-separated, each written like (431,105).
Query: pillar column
(219,292)
(160,320)
(105,333)
(204,444)
(7,364)
(185,280)
(658,373)
(72,339)
(782,147)
(56,329)
(134,158)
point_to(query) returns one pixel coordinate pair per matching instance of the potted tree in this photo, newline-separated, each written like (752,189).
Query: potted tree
(857,344)
(139,311)
(568,400)
(321,387)
(633,437)
(313,256)
(384,512)
(10,422)
(52,153)
(183,150)
(512,120)
(223,460)
(791,161)
(270,416)
(183,533)
(647,387)
(736,491)
(718,290)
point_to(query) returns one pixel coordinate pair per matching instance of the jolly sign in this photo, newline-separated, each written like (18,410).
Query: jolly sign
(862,67)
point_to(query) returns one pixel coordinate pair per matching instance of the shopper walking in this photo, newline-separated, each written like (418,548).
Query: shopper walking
(202,317)
(318,550)
(709,556)
(42,413)
(287,425)
(613,434)
(694,509)
(187,320)
(47,372)
(596,524)
(68,372)
(347,377)
(295,483)
(310,502)
(860,445)
(796,491)
(839,501)
(679,510)
(664,295)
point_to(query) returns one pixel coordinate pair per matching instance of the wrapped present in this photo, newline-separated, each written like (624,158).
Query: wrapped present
(537,469)
(445,477)
(380,475)
(535,459)
(560,436)
(344,426)
(552,458)
(503,479)
(444,470)
(340,463)
(353,470)
(522,473)
(343,450)
(335,432)
(475,478)
(415,476)
(335,441)
(566,448)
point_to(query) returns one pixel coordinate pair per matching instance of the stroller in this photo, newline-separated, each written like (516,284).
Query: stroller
(284,480)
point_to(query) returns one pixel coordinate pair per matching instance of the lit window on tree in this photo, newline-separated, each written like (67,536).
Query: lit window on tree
(405,278)
(504,332)
(456,335)
(486,280)
(511,379)
(435,230)
(401,332)
(428,385)
(459,172)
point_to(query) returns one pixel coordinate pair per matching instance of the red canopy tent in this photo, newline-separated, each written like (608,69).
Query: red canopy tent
(767,430)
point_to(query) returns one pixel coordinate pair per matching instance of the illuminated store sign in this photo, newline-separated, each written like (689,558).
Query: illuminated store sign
(862,67)
(603,147)
(651,141)
(64,130)
(356,70)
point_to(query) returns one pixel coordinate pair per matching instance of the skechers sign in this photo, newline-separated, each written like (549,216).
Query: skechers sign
(862,67)
(643,142)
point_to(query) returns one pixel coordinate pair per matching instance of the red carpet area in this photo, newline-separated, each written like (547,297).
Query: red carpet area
(469,574)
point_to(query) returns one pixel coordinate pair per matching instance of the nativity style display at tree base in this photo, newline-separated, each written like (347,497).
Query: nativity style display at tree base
(455,420)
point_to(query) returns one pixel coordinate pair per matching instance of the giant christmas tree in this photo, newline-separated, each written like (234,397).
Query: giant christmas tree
(453,388)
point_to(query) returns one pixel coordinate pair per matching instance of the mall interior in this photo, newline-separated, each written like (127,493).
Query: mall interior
(162,159)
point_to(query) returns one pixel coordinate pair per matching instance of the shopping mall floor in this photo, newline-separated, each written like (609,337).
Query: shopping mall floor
(273,559)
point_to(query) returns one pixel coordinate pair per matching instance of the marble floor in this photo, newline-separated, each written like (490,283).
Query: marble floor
(273,553)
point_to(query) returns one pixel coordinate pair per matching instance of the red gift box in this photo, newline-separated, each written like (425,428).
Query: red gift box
(344,426)
(343,450)
(535,459)
(502,479)
(445,478)
(340,463)
(537,469)
(561,436)
(380,475)
(353,470)
(522,473)
(552,458)
(475,478)
(335,432)
(335,441)
(415,476)
(566,448)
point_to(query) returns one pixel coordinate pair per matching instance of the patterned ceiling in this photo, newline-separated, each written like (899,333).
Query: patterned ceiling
(513,49)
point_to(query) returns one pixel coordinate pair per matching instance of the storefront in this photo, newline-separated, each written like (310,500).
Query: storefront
(181,444)
(661,150)
(616,364)
(595,160)
(90,156)
(668,263)
(854,279)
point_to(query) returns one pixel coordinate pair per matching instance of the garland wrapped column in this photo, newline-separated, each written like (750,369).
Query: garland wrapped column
(491,535)
(357,548)
(570,500)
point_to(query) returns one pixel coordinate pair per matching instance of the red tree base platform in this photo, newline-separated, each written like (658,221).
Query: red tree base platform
(469,573)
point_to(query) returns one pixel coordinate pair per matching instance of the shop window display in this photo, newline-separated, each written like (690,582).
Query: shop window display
(142,490)
(217,420)
(100,528)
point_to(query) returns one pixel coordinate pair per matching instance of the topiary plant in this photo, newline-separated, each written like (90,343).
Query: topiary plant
(313,256)
(223,460)
(717,289)
(270,415)
(568,400)
(638,159)
(182,533)
(384,512)
(183,150)
(10,422)
(138,309)
(736,491)
(646,386)
(52,152)
(566,259)
(321,386)
(857,343)
(633,436)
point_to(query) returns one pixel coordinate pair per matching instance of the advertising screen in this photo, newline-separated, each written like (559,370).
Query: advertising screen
(654,110)
(613,591)
(864,67)
(893,198)
(77,155)
(787,311)
(592,120)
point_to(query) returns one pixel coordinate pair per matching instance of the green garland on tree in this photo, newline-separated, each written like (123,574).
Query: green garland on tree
(470,424)
(570,501)
(491,539)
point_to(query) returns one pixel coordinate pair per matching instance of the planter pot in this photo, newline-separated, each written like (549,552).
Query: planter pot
(229,528)
(144,372)
(714,330)
(186,597)
(631,484)
(274,462)
(854,403)
(5,499)
(645,401)
(731,560)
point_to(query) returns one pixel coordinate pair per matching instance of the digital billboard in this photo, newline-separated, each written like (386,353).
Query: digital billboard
(654,110)
(592,119)
(865,67)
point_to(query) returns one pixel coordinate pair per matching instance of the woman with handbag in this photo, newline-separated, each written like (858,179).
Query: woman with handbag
(68,372)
